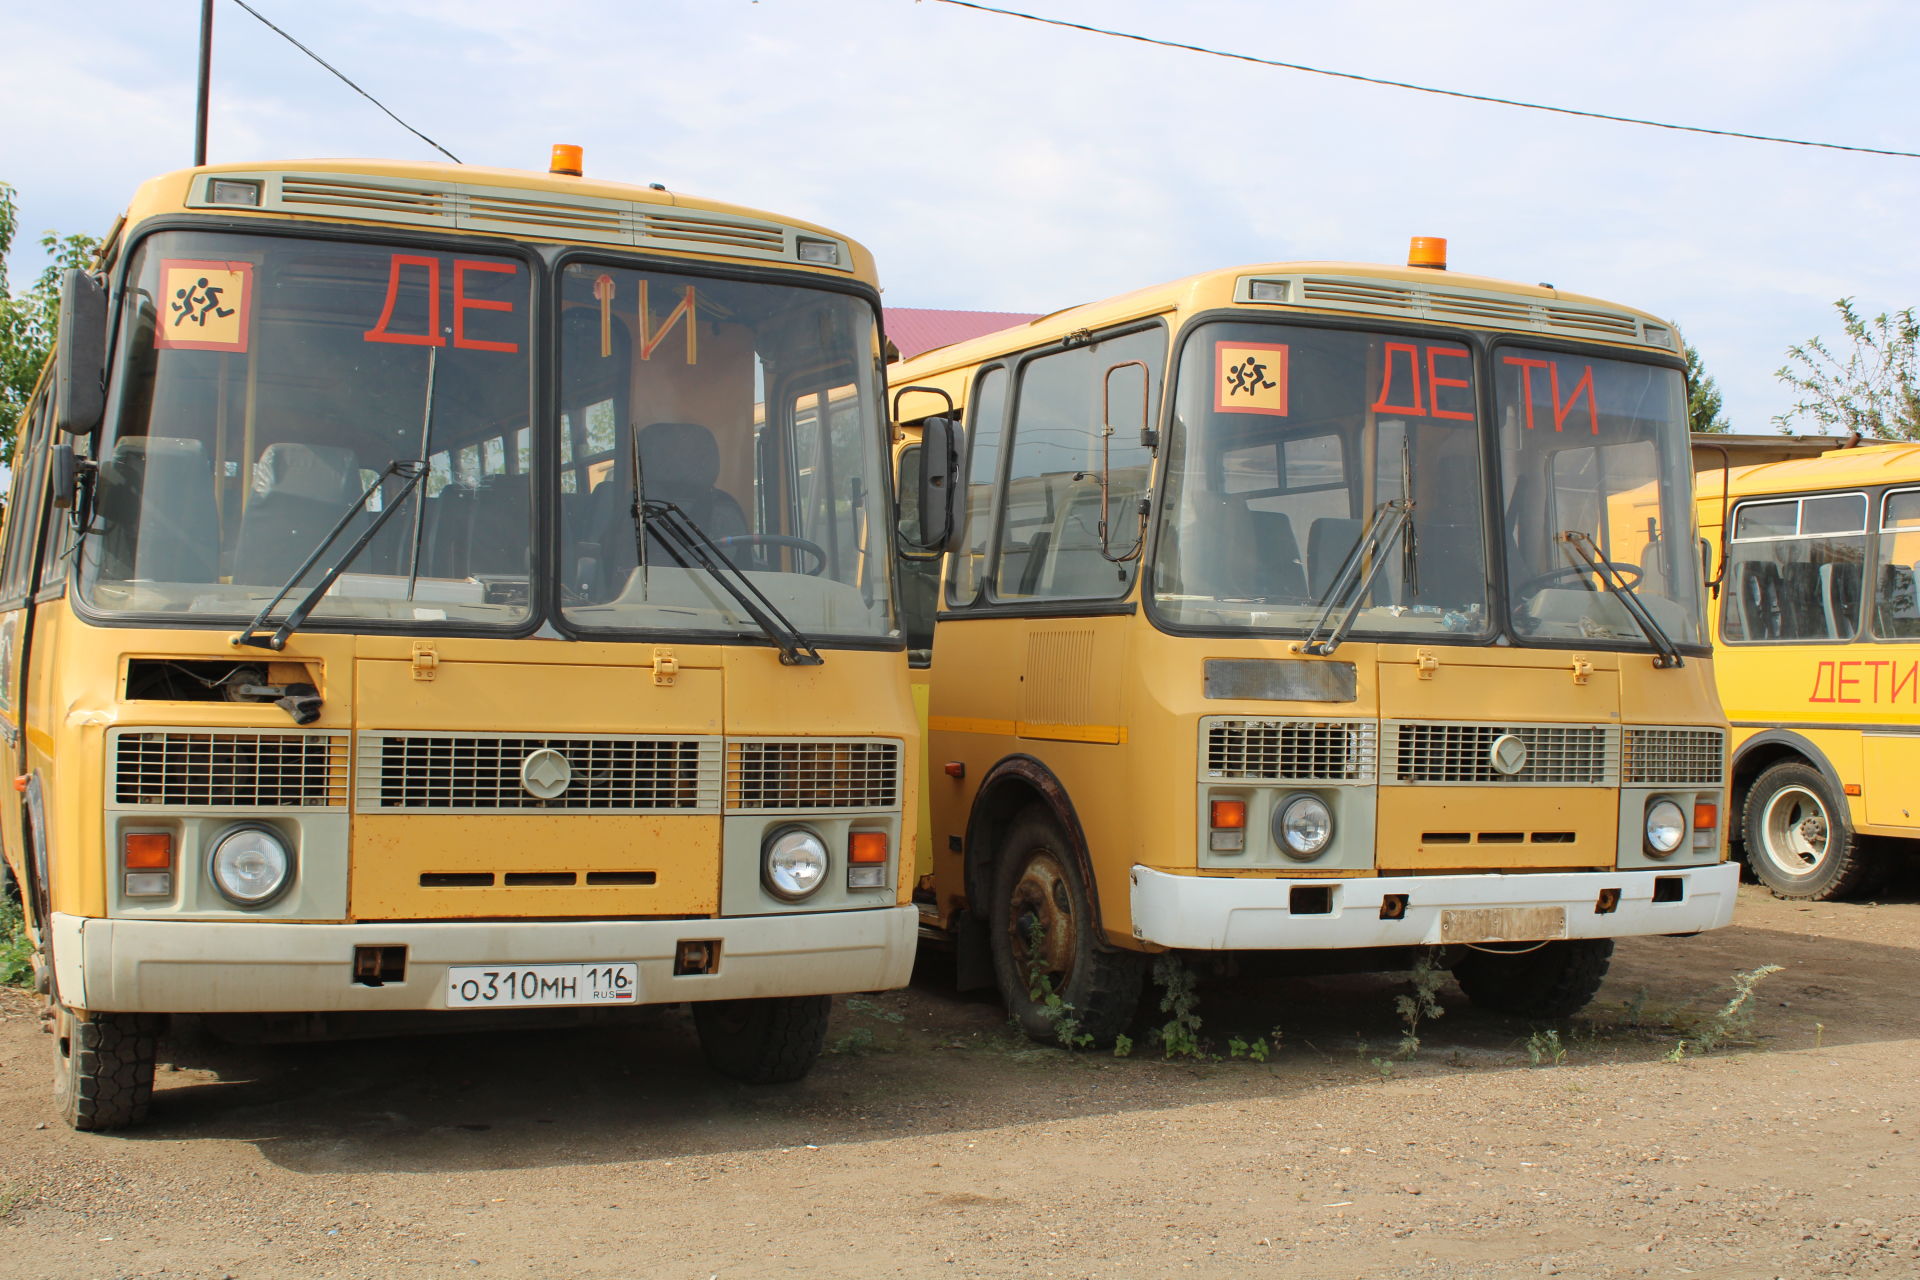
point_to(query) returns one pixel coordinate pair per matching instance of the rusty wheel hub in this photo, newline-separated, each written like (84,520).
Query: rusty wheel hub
(1045,935)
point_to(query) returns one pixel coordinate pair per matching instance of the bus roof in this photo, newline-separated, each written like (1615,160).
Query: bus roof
(1840,467)
(1410,293)
(516,203)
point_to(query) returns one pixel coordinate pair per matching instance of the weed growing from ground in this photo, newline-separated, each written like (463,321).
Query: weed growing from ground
(1053,1007)
(1180,1034)
(1732,1023)
(16,949)
(1423,1002)
(1545,1046)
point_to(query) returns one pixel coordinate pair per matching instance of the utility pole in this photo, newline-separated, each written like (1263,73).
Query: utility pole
(206,75)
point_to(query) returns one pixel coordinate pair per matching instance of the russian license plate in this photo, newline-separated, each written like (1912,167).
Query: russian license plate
(1503,924)
(509,986)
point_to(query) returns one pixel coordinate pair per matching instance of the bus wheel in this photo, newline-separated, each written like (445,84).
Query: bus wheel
(772,1040)
(1799,841)
(1046,943)
(103,1067)
(1551,980)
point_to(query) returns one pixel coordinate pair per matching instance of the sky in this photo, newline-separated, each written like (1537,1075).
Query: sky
(997,164)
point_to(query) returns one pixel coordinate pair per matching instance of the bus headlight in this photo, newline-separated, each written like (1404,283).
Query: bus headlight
(793,863)
(250,866)
(1302,827)
(1666,827)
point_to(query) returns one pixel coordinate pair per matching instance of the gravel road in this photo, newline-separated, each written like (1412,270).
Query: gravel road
(933,1141)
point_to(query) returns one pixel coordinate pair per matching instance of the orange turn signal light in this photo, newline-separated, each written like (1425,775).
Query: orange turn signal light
(147,850)
(1427,251)
(1705,817)
(567,159)
(1229,815)
(867,846)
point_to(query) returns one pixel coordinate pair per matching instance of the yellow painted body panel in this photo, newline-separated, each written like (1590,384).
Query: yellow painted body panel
(391,851)
(1491,821)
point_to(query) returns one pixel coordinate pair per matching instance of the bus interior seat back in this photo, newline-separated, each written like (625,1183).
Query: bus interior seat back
(1329,542)
(679,463)
(300,491)
(503,525)
(175,537)
(1079,567)
(1840,599)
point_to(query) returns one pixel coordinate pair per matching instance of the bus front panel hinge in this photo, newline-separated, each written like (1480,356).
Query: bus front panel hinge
(1582,670)
(1427,661)
(426,662)
(665,666)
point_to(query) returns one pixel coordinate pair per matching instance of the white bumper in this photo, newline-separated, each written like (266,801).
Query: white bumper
(1221,913)
(186,966)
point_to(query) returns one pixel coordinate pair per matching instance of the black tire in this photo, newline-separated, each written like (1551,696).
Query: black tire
(1799,840)
(1038,892)
(103,1067)
(773,1040)
(1552,980)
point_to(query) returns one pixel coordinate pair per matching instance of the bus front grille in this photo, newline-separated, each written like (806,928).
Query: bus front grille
(812,774)
(1465,754)
(1292,750)
(1675,757)
(491,773)
(229,769)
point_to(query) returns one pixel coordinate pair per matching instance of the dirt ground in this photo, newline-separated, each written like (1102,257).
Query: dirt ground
(933,1141)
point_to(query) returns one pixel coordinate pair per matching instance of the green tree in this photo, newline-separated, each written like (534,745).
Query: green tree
(1703,397)
(27,319)
(1872,386)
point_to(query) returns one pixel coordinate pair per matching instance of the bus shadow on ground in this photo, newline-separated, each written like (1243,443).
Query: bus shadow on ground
(926,1060)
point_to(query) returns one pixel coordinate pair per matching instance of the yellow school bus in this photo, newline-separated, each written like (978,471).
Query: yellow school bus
(1292,612)
(1817,648)
(461,594)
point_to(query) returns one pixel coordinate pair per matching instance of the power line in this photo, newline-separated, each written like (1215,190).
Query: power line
(350,84)
(1419,88)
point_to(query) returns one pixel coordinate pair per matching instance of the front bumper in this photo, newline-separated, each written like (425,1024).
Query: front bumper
(185,966)
(1221,913)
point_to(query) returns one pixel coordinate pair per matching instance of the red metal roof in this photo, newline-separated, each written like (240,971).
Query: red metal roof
(913,330)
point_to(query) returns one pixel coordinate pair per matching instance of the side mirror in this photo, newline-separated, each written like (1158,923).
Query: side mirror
(80,354)
(940,488)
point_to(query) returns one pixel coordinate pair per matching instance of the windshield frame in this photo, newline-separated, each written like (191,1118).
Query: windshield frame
(1393,326)
(553,607)
(543,261)
(1638,642)
(1485,345)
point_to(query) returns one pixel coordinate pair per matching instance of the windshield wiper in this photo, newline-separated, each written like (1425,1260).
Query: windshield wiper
(412,473)
(691,545)
(1389,520)
(1667,653)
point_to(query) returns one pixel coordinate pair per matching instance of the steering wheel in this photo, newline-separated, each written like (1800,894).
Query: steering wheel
(812,548)
(1629,574)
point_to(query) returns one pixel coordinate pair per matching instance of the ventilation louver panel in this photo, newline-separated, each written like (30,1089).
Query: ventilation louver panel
(1675,757)
(212,769)
(812,774)
(523,212)
(1442,302)
(1462,754)
(1291,750)
(484,773)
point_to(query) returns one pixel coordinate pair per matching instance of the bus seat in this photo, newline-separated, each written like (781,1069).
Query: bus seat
(1329,542)
(1272,554)
(1840,599)
(503,528)
(299,492)
(446,532)
(157,511)
(679,463)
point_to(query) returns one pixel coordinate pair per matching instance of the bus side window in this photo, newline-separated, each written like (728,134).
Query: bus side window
(27,505)
(1050,544)
(919,575)
(1896,605)
(1795,569)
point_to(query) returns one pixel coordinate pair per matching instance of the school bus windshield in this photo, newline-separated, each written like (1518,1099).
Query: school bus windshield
(1286,443)
(265,383)
(1596,448)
